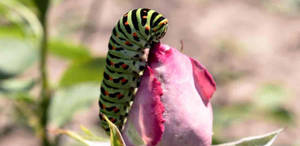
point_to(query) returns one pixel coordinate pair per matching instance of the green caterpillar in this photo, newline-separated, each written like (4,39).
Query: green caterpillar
(136,30)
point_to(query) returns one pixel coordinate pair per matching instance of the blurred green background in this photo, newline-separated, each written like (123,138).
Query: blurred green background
(252,48)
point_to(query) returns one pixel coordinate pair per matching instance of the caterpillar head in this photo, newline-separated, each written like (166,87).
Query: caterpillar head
(160,30)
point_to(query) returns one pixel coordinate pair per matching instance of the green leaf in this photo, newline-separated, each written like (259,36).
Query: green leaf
(27,3)
(16,56)
(262,140)
(280,114)
(18,10)
(89,70)
(85,138)
(115,135)
(23,97)
(68,50)
(90,135)
(11,31)
(16,85)
(17,46)
(227,115)
(270,95)
(67,101)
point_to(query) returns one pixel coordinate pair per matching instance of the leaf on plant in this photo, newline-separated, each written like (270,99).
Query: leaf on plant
(89,70)
(84,138)
(68,50)
(271,95)
(90,135)
(11,30)
(262,140)
(69,100)
(16,56)
(115,135)
(16,9)
(27,3)
(225,116)
(281,114)
(16,85)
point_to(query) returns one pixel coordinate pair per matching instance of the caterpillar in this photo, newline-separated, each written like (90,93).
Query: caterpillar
(137,30)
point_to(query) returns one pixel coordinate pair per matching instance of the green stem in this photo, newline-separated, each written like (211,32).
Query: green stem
(45,95)
(45,91)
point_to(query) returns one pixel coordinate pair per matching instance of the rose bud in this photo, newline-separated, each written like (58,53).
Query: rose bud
(172,106)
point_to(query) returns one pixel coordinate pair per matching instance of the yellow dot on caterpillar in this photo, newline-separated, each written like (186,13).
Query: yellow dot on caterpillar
(147,27)
(162,23)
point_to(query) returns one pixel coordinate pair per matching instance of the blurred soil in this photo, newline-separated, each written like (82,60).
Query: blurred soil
(245,44)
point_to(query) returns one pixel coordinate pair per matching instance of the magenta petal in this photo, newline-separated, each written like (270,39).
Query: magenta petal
(145,121)
(204,82)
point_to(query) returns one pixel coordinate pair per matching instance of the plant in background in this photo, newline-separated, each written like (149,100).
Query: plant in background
(24,40)
(38,110)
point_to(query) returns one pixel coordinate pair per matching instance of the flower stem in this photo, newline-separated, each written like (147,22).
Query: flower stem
(45,95)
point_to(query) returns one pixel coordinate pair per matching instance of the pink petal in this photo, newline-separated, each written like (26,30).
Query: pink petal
(204,81)
(145,118)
